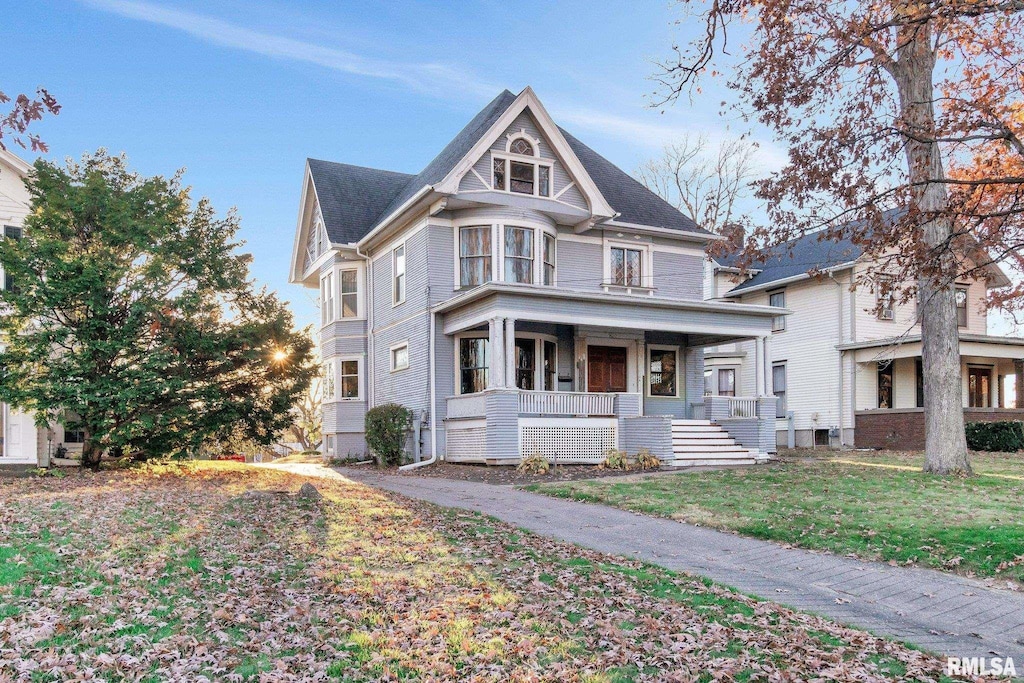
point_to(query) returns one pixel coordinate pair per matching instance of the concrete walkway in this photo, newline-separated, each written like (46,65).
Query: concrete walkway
(945,614)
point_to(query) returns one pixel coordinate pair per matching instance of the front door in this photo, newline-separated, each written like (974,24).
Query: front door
(606,369)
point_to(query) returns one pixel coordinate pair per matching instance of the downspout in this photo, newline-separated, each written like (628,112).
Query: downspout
(839,332)
(433,404)
(369,325)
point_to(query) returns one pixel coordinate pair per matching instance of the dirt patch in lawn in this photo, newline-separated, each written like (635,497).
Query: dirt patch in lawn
(177,574)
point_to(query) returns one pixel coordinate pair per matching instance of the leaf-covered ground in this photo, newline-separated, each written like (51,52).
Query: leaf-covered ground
(876,506)
(193,575)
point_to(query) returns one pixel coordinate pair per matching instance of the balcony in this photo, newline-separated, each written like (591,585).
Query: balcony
(543,404)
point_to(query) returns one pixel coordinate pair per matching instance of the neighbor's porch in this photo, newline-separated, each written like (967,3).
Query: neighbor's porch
(889,387)
(535,377)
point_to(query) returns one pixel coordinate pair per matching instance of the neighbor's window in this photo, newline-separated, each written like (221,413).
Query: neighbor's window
(398,268)
(779,388)
(474,256)
(778,300)
(327,298)
(662,372)
(961,306)
(886,300)
(727,382)
(627,267)
(550,365)
(400,357)
(526,363)
(73,433)
(473,363)
(349,294)
(885,384)
(350,379)
(919,377)
(549,259)
(518,254)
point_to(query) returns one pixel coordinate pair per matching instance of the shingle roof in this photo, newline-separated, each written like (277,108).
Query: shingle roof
(628,196)
(353,199)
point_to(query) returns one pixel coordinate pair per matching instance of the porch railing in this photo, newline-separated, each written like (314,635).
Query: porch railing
(742,406)
(566,403)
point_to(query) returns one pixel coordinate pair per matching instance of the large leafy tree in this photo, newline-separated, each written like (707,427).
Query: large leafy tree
(914,105)
(130,313)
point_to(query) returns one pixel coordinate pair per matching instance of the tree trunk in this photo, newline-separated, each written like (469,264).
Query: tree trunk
(91,453)
(945,442)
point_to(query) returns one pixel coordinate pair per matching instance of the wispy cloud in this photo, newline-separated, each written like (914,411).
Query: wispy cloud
(435,79)
(425,77)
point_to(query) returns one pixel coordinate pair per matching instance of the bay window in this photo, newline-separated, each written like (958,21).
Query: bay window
(327,298)
(350,379)
(518,254)
(329,386)
(549,259)
(474,255)
(474,357)
(349,294)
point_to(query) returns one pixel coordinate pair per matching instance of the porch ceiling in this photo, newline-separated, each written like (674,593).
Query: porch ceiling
(705,322)
(979,345)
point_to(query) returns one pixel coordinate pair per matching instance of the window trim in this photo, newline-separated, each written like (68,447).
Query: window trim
(391,356)
(779,320)
(395,301)
(647,369)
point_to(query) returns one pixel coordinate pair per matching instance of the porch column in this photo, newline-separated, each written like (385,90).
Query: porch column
(510,353)
(1018,371)
(496,342)
(759,366)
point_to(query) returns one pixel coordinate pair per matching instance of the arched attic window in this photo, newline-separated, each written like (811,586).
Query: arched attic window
(521,146)
(519,175)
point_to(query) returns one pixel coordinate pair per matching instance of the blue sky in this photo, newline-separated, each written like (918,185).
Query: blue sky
(240,92)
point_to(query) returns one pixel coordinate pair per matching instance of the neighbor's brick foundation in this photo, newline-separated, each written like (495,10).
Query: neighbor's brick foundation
(903,429)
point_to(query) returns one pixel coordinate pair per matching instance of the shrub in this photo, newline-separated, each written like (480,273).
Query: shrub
(386,428)
(995,436)
(615,460)
(645,460)
(534,464)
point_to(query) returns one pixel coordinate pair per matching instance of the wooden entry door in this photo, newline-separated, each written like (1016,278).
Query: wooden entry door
(979,387)
(606,369)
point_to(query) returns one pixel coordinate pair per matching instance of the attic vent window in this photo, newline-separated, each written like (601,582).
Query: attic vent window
(521,146)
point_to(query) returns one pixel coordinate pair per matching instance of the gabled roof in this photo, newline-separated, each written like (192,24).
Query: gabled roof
(794,258)
(352,197)
(355,199)
(628,196)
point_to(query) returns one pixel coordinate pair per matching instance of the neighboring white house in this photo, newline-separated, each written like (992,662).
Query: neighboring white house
(520,294)
(21,442)
(848,374)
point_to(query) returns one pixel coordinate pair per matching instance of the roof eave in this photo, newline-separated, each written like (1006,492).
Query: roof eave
(688,235)
(423,195)
(740,291)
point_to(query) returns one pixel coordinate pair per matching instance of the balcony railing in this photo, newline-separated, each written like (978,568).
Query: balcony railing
(566,403)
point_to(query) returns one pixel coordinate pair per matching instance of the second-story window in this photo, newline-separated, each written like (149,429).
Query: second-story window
(549,259)
(327,298)
(474,256)
(627,267)
(961,307)
(518,254)
(778,300)
(886,302)
(349,294)
(398,268)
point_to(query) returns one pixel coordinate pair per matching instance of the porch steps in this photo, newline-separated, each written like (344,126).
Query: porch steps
(698,443)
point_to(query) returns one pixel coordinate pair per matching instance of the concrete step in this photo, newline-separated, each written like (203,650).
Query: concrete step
(698,429)
(711,462)
(701,448)
(686,441)
(691,423)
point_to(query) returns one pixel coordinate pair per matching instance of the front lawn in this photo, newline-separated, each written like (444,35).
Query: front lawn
(874,506)
(221,571)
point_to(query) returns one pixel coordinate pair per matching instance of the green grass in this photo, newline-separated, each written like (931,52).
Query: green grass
(968,525)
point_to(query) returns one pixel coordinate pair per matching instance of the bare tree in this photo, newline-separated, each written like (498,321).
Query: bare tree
(702,180)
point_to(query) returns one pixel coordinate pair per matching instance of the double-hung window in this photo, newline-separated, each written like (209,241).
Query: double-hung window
(886,303)
(350,379)
(726,382)
(327,298)
(627,267)
(778,300)
(473,364)
(398,268)
(474,255)
(549,258)
(329,385)
(518,254)
(961,307)
(779,388)
(349,293)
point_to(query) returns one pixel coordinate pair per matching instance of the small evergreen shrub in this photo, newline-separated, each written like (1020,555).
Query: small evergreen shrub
(615,460)
(386,428)
(1007,437)
(534,464)
(645,460)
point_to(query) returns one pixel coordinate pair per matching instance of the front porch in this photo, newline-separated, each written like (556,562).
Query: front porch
(603,372)
(889,387)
